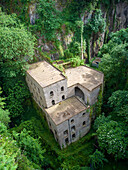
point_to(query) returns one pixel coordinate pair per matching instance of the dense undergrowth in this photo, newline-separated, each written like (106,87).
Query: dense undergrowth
(25,139)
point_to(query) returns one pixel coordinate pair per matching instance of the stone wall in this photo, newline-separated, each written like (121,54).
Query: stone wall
(74,128)
(70,130)
(90,97)
(59,90)
(47,96)
(36,90)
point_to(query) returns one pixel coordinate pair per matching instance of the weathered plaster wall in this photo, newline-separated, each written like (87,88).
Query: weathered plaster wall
(36,91)
(75,128)
(89,96)
(56,88)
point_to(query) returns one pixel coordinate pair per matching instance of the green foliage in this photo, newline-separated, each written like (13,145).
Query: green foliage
(123,113)
(96,23)
(76,7)
(117,38)
(8,154)
(30,146)
(94,26)
(119,105)
(30,126)
(118,99)
(9,20)
(68,54)
(16,44)
(112,138)
(74,48)
(99,102)
(98,159)
(113,64)
(4,116)
(75,62)
(100,120)
(16,95)
(1,99)
(49,19)
(3,128)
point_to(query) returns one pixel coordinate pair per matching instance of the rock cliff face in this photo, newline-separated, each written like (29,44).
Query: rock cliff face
(116,18)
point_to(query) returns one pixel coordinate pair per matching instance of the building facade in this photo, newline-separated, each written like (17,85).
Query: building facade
(64,99)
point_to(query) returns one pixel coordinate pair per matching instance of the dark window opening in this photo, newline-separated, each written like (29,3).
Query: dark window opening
(84,123)
(83,114)
(53,102)
(73,128)
(51,93)
(73,136)
(72,121)
(66,141)
(79,93)
(66,132)
(63,97)
(40,98)
(62,88)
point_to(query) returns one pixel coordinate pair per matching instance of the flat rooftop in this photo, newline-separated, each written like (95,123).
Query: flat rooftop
(85,76)
(45,74)
(65,110)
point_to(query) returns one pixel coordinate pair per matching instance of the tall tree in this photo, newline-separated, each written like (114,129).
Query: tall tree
(114,63)
(16,44)
(17,47)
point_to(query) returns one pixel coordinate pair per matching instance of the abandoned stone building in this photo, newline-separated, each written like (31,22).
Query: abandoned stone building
(65,100)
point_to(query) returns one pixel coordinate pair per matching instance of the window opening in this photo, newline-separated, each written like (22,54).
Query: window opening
(66,141)
(63,97)
(66,132)
(84,114)
(73,136)
(53,102)
(73,128)
(62,88)
(72,121)
(51,93)
(84,123)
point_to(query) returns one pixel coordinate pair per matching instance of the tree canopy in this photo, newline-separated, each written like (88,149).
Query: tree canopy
(16,44)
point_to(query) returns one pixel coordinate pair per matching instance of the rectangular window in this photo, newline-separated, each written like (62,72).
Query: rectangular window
(66,141)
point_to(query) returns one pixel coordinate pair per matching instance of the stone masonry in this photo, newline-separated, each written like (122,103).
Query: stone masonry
(64,99)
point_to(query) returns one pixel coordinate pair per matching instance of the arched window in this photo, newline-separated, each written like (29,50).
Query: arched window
(66,132)
(72,121)
(51,93)
(53,102)
(62,88)
(66,141)
(73,128)
(73,136)
(84,123)
(79,93)
(63,97)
